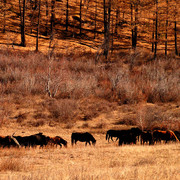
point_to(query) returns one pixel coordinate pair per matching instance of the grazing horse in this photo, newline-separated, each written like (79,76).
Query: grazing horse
(159,135)
(32,140)
(146,137)
(83,137)
(7,141)
(127,138)
(57,140)
(136,131)
(132,133)
(112,133)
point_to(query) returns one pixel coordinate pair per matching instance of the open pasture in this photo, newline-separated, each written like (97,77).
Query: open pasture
(102,161)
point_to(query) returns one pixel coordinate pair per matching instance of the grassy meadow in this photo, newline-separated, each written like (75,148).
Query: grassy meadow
(104,161)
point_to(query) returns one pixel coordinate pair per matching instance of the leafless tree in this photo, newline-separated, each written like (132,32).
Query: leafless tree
(38,26)
(22,20)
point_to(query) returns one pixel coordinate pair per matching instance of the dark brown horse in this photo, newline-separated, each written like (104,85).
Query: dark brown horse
(82,137)
(128,134)
(166,136)
(57,140)
(147,137)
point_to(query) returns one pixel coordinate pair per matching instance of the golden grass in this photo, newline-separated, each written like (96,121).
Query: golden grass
(104,161)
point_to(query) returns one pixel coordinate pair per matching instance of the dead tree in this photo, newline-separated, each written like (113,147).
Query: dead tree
(167,12)
(156,30)
(38,26)
(67,14)
(22,20)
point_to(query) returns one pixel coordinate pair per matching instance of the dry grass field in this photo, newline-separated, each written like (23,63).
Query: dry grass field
(105,161)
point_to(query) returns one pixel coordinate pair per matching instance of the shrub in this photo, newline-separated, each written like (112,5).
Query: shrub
(63,110)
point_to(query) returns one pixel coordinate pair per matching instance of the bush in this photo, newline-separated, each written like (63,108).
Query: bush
(63,110)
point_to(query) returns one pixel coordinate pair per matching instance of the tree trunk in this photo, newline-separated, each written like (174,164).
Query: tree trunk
(95,19)
(156,31)
(38,25)
(117,19)
(22,19)
(166,27)
(153,35)
(67,14)
(52,16)
(107,18)
(80,16)
(175,37)
(46,32)
(105,29)
(132,27)
(135,25)
(112,34)
(4,22)
(175,30)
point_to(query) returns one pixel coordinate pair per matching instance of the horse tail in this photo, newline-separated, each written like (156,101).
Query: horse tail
(174,135)
(107,135)
(72,139)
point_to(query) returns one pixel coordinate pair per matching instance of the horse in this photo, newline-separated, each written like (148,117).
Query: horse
(136,132)
(127,138)
(147,137)
(7,141)
(169,135)
(177,133)
(82,137)
(32,140)
(57,140)
(112,133)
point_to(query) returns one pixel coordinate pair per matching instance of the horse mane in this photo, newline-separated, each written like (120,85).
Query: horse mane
(174,135)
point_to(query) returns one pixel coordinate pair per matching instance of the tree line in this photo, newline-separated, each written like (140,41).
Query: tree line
(131,23)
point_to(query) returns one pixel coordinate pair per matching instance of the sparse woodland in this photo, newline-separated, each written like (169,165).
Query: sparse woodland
(133,55)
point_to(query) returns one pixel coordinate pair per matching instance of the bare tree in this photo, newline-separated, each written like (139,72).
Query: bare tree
(107,17)
(52,15)
(47,13)
(175,28)
(95,20)
(67,14)
(167,12)
(4,13)
(38,25)
(22,20)
(117,19)
(156,29)
(80,16)
(134,21)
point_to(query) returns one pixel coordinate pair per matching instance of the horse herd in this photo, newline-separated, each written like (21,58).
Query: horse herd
(130,136)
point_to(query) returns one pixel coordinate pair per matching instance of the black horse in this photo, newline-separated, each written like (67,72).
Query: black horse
(123,134)
(32,140)
(147,137)
(113,133)
(127,138)
(177,133)
(83,137)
